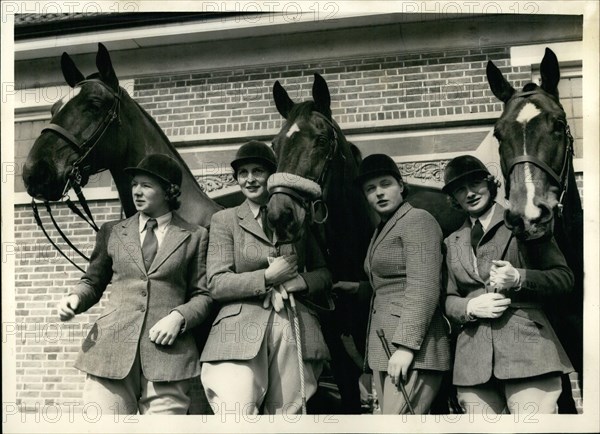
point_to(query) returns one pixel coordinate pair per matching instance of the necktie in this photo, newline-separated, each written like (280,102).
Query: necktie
(150,245)
(265,223)
(476,234)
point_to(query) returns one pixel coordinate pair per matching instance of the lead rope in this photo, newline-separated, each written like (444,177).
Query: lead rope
(298,340)
(291,311)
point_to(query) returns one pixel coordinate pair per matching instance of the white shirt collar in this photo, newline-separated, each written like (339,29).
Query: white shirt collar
(485,219)
(254,209)
(163,221)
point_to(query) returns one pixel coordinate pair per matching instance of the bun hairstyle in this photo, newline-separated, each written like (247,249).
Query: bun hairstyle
(172,193)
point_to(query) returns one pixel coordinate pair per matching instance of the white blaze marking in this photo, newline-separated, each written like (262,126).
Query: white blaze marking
(528,112)
(531,211)
(293,129)
(72,94)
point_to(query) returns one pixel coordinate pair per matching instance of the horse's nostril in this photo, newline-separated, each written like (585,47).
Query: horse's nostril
(513,221)
(546,214)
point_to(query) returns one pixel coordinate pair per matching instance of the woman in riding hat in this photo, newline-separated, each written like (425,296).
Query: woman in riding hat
(139,355)
(507,358)
(250,361)
(404,265)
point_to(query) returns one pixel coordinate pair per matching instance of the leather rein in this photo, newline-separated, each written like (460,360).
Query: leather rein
(83,148)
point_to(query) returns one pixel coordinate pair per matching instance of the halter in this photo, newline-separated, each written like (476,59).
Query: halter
(83,148)
(308,192)
(562,178)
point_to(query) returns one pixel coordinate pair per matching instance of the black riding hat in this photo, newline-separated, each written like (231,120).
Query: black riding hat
(461,168)
(255,151)
(160,166)
(376,165)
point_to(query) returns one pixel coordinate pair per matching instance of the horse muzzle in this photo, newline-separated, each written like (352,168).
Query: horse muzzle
(287,217)
(528,230)
(43,181)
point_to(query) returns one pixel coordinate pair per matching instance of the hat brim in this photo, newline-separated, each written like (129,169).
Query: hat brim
(451,186)
(361,179)
(135,170)
(235,164)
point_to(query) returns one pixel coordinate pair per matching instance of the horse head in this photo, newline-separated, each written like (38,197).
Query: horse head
(66,152)
(309,147)
(536,149)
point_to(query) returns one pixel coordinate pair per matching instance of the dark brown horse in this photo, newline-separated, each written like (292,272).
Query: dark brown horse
(102,127)
(536,155)
(315,173)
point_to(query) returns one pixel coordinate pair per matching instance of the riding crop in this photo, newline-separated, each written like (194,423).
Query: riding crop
(384,342)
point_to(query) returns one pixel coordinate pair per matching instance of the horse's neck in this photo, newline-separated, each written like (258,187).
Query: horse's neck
(349,227)
(139,136)
(568,229)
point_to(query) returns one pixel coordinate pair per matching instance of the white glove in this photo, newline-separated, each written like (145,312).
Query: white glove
(503,275)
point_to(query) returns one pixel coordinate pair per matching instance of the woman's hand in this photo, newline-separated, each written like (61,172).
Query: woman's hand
(276,299)
(345,287)
(67,307)
(281,269)
(165,331)
(294,285)
(399,363)
(503,275)
(490,305)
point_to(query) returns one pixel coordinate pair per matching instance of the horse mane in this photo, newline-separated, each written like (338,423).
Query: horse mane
(304,110)
(530,87)
(356,154)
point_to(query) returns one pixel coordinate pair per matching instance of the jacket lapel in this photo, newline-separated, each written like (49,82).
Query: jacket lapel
(176,234)
(465,251)
(493,242)
(129,234)
(497,220)
(249,223)
(378,237)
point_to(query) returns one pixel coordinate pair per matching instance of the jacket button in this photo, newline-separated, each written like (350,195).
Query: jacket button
(143,309)
(144,278)
(143,293)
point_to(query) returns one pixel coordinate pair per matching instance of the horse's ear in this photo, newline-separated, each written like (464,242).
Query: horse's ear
(70,72)
(550,72)
(500,87)
(282,100)
(321,95)
(105,68)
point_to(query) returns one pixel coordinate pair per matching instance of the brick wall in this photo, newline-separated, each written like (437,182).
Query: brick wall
(380,90)
(46,348)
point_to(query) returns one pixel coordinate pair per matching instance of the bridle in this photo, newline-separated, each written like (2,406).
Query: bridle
(311,200)
(83,147)
(562,178)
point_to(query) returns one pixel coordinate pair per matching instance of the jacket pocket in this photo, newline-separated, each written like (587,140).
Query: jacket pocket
(227,311)
(106,313)
(534,316)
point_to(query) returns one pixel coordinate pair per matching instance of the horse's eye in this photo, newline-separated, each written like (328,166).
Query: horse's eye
(95,102)
(322,141)
(498,135)
(559,126)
